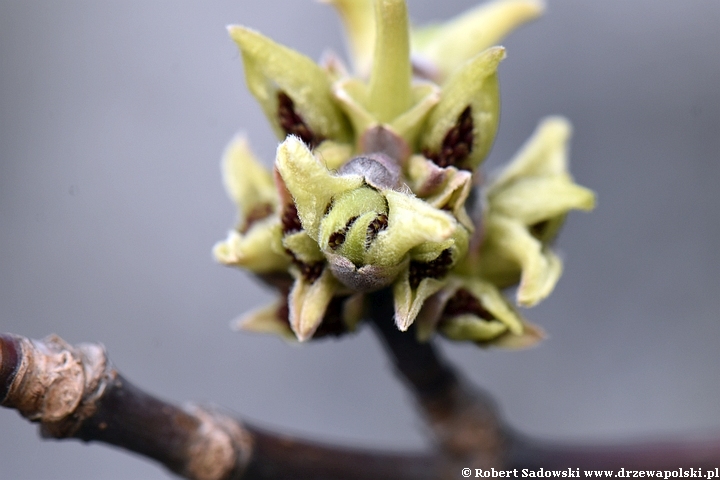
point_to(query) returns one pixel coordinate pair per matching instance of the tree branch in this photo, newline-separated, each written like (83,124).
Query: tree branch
(74,392)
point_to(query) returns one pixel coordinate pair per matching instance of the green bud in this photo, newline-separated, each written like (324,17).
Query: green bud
(372,179)
(364,228)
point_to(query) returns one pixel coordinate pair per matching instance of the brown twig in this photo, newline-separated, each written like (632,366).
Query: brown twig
(74,392)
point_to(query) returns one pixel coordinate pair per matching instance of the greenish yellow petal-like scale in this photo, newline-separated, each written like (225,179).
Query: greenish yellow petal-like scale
(353,311)
(272,69)
(303,247)
(469,327)
(468,309)
(258,250)
(492,300)
(308,302)
(333,154)
(411,222)
(266,320)
(311,185)
(353,97)
(530,337)
(545,153)
(427,273)
(449,45)
(409,300)
(246,180)
(536,199)
(410,123)
(511,254)
(525,206)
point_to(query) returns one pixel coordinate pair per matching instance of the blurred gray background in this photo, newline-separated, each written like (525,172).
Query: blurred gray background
(113,116)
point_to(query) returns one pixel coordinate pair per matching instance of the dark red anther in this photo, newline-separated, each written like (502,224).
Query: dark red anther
(376,226)
(457,144)
(464,302)
(290,219)
(434,269)
(293,124)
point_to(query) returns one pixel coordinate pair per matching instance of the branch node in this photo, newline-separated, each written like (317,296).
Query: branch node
(55,383)
(221,447)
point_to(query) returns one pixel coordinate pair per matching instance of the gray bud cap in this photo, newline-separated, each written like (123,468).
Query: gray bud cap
(379,170)
(366,278)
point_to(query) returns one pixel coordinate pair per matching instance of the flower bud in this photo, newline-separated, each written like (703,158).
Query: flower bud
(293,91)
(461,128)
(526,204)
(256,243)
(470,309)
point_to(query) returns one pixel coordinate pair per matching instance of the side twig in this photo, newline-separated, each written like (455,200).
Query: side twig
(74,392)
(463,420)
(470,432)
